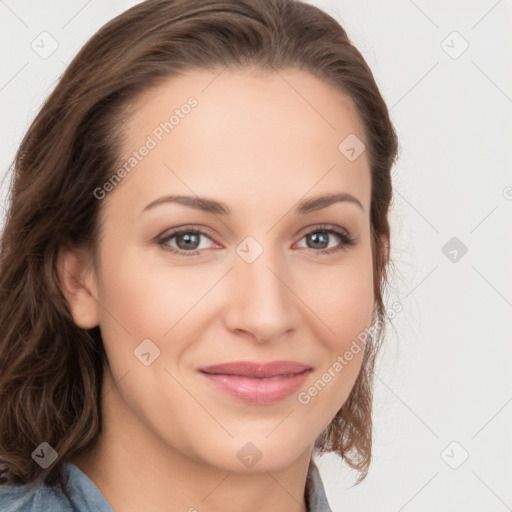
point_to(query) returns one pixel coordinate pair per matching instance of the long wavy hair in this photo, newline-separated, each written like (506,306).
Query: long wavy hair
(51,370)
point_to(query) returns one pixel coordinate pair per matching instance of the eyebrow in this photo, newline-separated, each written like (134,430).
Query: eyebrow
(216,207)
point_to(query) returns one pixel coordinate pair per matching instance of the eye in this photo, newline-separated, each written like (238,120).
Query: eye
(321,236)
(187,240)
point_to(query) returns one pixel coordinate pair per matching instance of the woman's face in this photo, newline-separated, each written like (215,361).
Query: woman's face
(255,285)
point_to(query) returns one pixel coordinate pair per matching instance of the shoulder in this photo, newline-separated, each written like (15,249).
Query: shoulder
(77,494)
(29,498)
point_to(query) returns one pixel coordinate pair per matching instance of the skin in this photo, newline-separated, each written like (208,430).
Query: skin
(259,143)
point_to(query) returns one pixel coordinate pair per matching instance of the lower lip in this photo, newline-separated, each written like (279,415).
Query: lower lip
(259,391)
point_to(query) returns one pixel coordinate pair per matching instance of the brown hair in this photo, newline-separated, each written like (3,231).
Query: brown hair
(50,369)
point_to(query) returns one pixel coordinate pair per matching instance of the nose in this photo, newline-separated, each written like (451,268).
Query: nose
(261,301)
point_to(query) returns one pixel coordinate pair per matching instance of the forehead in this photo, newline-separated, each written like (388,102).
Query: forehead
(256,133)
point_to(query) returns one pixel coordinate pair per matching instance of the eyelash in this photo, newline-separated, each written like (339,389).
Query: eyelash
(346,239)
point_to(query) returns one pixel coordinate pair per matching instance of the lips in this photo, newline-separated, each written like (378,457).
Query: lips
(257,383)
(257,370)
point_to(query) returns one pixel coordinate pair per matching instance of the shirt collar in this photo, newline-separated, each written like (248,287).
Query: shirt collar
(316,499)
(86,493)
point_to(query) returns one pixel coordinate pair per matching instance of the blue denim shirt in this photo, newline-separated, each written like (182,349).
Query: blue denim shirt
(80,494)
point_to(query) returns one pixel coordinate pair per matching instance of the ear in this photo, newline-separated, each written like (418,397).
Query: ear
(78,284)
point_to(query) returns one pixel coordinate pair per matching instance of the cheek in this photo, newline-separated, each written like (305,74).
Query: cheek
(350,312)
(146,300)
(341,298)
(342,305)
(347,311)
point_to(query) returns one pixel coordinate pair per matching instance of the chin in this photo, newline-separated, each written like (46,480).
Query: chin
(257,456)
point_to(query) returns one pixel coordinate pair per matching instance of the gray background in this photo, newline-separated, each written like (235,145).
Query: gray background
(443,386)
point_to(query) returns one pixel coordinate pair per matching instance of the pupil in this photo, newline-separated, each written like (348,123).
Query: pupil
(316,239)
(190,241)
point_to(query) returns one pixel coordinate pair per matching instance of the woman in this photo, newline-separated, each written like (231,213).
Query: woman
(193,264)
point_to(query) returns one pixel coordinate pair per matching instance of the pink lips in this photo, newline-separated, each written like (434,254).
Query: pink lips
(258,383)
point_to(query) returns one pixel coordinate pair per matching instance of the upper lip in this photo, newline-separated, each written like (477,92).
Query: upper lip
(254,369)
